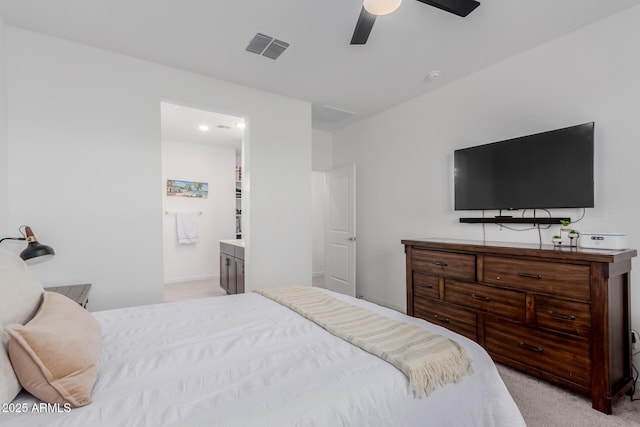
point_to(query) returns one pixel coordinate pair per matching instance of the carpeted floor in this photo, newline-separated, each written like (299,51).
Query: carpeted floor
(192,290)
(545,405)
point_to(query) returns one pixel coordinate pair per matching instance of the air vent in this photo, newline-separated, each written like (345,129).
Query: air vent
(275,49)
(264,45)
(259,43)
(329,115)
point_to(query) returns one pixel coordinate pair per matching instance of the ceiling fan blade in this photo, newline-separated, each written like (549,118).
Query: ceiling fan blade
(363,27)
(457,7)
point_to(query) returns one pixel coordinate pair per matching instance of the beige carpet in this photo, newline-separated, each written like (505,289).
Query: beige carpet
(544,405)
(192,290)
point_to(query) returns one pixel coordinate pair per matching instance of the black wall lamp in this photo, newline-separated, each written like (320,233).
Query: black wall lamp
(35,252)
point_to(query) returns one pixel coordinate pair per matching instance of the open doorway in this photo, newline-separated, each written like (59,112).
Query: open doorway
(202,167)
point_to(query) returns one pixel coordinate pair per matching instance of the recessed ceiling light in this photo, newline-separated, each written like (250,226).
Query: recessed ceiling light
(203,128)
(223,127)
(434,75)
(241,125)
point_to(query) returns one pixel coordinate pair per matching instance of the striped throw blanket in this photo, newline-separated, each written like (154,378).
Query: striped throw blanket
(429,360)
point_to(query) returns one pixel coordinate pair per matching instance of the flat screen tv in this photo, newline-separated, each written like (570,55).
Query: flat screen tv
(547,170)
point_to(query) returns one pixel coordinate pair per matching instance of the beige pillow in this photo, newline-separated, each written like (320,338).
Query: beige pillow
(56,354)
(21,293)
(9,385)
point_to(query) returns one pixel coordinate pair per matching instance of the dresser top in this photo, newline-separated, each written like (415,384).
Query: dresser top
(524,249)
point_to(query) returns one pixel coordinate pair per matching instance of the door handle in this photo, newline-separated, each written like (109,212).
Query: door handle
(351,239)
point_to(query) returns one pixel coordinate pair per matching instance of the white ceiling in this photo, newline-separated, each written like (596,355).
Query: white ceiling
(182,124)
(209,37)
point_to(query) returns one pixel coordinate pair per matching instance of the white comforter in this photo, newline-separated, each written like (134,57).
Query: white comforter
(245,360)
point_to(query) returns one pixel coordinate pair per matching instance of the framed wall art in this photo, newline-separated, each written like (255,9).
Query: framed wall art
(178,188)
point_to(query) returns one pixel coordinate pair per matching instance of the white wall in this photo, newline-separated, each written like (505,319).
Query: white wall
(4,146)
(322,142)
(322,154)
(216,219)
(88,121)
(405,155)
(318,191)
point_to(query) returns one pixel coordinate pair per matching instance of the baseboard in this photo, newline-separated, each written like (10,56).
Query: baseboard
(192,279)
(318,274)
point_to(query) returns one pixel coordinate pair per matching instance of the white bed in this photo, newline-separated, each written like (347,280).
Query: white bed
(245,360)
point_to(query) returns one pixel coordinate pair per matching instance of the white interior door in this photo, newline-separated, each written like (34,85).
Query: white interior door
(340,230)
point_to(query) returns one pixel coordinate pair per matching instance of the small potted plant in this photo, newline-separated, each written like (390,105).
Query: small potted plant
(573,236)
(556,240)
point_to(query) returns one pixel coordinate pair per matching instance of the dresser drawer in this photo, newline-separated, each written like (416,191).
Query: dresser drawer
(501,302)
(456,319)
(445,264)
(564,280)
(563,357)
(425,285)
(564,316)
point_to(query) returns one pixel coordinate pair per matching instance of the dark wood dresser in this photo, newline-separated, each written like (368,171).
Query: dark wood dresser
(561,314)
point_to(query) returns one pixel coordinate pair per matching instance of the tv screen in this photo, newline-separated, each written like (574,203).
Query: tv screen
(547,170)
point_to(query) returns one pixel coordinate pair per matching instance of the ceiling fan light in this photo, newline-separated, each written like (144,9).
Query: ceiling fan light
(381,7)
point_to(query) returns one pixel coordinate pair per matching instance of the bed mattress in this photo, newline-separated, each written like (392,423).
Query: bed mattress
(244,360)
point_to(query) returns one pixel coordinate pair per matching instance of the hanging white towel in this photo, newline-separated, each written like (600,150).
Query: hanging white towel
(187,227)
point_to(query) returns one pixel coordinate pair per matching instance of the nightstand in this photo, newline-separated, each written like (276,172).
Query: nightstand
(78,293)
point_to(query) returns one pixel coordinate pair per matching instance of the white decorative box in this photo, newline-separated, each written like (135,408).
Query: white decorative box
(603,240)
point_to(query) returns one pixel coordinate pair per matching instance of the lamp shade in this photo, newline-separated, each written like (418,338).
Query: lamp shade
(35,252)
(381,7)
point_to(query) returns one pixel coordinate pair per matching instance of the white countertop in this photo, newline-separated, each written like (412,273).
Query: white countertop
(234,242)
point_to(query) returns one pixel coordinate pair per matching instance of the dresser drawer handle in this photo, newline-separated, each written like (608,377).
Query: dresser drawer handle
(442,319)
(531,348)
(480,297)
(530,276)
(562,316)
(440,263)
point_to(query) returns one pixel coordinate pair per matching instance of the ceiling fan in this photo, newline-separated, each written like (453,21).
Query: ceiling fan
(373,8)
